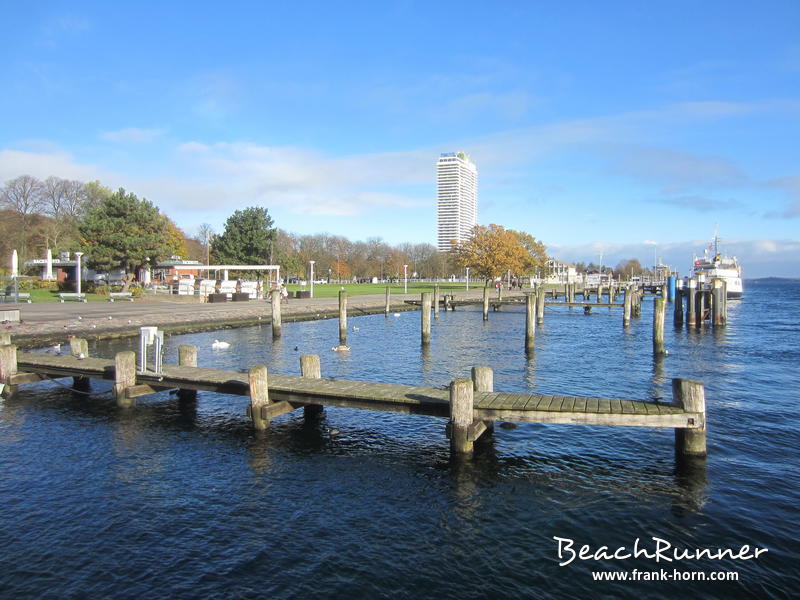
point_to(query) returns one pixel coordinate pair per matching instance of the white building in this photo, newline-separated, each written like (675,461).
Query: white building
(457,183)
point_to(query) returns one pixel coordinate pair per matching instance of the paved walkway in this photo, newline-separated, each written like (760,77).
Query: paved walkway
(46,322)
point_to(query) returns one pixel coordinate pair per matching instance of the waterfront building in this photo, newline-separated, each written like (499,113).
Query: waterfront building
(457,198)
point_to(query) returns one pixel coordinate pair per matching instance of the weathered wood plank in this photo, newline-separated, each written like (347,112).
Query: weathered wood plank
(580,405)
(603,405)
(616,406)
(591,405)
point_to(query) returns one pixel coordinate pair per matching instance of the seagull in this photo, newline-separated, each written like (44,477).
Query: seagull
(80,317)
(110,317)
(340,348)
(355,328)
(217,345)
(396,314)
(81,356)
(55,349)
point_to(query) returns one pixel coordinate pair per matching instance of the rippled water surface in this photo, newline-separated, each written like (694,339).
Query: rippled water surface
(172,500)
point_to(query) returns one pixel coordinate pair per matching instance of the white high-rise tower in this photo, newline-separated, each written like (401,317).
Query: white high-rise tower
(457,183)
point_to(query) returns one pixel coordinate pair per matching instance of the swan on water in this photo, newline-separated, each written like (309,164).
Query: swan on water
(340,348)
(217,345)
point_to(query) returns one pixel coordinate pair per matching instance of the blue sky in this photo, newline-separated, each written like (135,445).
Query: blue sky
(630,129)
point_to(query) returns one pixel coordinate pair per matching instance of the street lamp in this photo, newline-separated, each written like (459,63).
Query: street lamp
(405,279)
(78,269)
(311,262)
(467,278)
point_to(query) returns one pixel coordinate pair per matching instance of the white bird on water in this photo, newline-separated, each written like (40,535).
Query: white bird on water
(355,328)
(341,348)
(217,345)
(396,314)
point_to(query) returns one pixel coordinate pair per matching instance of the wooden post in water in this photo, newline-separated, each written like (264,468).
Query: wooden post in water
(677,311)
(276,314)
(8,367)
(485,303)
(599,293)
(718,303)
(540,306)
(483,381)
(461,409)
(700,306)
(310,367)
(626,309)
(259,395)
(691,299)
(187,357)
(124,376)
(342,317)
(530,321)
(436,302)
(659,309)
(690,396)
(426,318)
(5,339)
(388,303)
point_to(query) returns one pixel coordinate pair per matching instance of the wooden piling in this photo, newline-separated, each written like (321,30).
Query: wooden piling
(540,306)
(718,303)
(485,303)
(677,310)
(530,319)
(276,314)
(310,367)
(690,396)
(5,339)
(483,381)
(659,309)
(259,395)
(78,347)
(342,317)
(8,367)
(436,302)
(388,301)
(124,376)
(461,412)
(626,310)
(426,318)
(187,357)
(691,299)
(599,294)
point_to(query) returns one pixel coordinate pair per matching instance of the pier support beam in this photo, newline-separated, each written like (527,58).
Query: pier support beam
(677,314)
(627,308)
(436,299)
(461,409)
(310,367)
(388,301)
(530,319)
(659,309)
(187,357)
(8,367)
(259,395)
(426,318)
(540,295)
(342,317)
(691,300)
(690,396)
(79,348)
(483,381)
(276,313)
(485,303)
(124,376)
(718,303)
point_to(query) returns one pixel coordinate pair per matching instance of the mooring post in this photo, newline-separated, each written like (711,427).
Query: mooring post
(626,309)
(78,347)
(700,306)
(691,299)
(659,310)
(530,321)
(718,303)
(599,294)
(426,318)
(124,376)
(677,311)
(540,295)
(276,314)
(8,367)
(388,301)
(483,381)
(436,302)
(342,317)
(485,303)
(187,357)
(690,395)
(259,395)
(461,409)
(5,339)
(311,368)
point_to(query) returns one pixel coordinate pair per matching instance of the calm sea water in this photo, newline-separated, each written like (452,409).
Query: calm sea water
(185,501)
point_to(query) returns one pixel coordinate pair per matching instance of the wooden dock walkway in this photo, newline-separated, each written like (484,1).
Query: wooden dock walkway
(471,404)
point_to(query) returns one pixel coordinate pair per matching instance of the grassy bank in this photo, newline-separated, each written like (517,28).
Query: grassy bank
(329,290)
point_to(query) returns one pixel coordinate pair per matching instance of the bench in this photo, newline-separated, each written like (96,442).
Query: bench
(12,297)
(72,296)
(120,296)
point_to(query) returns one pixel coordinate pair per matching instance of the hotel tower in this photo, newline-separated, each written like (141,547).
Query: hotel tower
(457,183)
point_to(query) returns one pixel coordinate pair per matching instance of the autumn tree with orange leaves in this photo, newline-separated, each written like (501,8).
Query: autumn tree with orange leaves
(494,250)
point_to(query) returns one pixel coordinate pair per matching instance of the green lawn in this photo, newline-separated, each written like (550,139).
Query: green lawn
(328,290)
(52,296)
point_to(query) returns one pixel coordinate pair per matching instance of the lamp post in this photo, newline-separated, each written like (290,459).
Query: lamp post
(78,269)
(405,279)
(311,278)
(467,278)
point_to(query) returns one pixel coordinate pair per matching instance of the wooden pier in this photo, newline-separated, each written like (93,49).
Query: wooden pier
(471,405)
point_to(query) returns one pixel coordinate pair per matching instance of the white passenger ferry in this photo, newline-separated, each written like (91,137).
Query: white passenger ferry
(717,266)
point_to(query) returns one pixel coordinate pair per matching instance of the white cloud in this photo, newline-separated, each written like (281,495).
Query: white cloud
(131,135)
(14,163)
